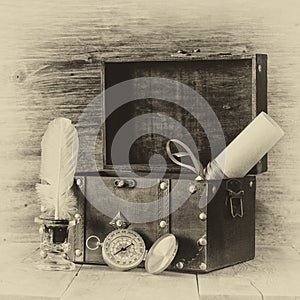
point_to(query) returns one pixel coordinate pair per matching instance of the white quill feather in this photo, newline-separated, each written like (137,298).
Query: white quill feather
(58,165)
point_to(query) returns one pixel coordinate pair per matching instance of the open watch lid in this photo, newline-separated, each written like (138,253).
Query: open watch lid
(161,254)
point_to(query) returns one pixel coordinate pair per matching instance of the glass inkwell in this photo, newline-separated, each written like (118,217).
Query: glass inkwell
(54,245)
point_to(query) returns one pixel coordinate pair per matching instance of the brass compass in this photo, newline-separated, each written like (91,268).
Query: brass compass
(124,249)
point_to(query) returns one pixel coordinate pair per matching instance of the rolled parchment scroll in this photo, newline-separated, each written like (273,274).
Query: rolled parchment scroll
(243,153)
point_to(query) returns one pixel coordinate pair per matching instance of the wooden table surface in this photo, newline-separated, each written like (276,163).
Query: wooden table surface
(271,275)
(49,67)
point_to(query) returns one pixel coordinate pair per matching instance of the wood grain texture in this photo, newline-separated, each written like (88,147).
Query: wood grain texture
(228,85)
(271,276)
(19,279)
(94,281)
(49,54)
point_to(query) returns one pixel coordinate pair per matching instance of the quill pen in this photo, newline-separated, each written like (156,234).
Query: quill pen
(58,165)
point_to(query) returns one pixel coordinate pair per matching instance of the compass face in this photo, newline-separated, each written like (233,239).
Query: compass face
(123,249)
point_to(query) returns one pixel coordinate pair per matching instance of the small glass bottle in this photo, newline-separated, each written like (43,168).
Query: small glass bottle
(54,245)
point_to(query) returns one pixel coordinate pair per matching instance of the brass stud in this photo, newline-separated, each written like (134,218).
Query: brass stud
(251,184)
(119,223)
(78,252)
(163,185)
(202,216)
(202,242)
(79,181)
(77,218)
(162,224)
(202,267)
(180,265)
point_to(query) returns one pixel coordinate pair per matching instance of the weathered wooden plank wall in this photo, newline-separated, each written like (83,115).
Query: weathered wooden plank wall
(49,54)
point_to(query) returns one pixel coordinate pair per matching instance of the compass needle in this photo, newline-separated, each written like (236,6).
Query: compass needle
(123,249)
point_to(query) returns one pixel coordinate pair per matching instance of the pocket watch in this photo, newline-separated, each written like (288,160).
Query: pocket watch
(124,249)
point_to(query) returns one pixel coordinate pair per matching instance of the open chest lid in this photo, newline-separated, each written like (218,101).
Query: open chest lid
(234,86)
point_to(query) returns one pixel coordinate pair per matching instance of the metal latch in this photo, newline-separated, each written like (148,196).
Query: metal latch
(235,197)
(121,183)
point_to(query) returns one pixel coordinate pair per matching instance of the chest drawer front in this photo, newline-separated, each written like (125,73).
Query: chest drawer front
(125,202)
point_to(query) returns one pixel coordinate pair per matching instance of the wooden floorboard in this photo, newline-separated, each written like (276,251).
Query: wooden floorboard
(94,282)
(272,275)
(50,53)
(19,279)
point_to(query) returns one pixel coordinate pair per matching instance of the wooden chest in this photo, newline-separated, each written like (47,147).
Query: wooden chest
(210,235)
(217,235)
